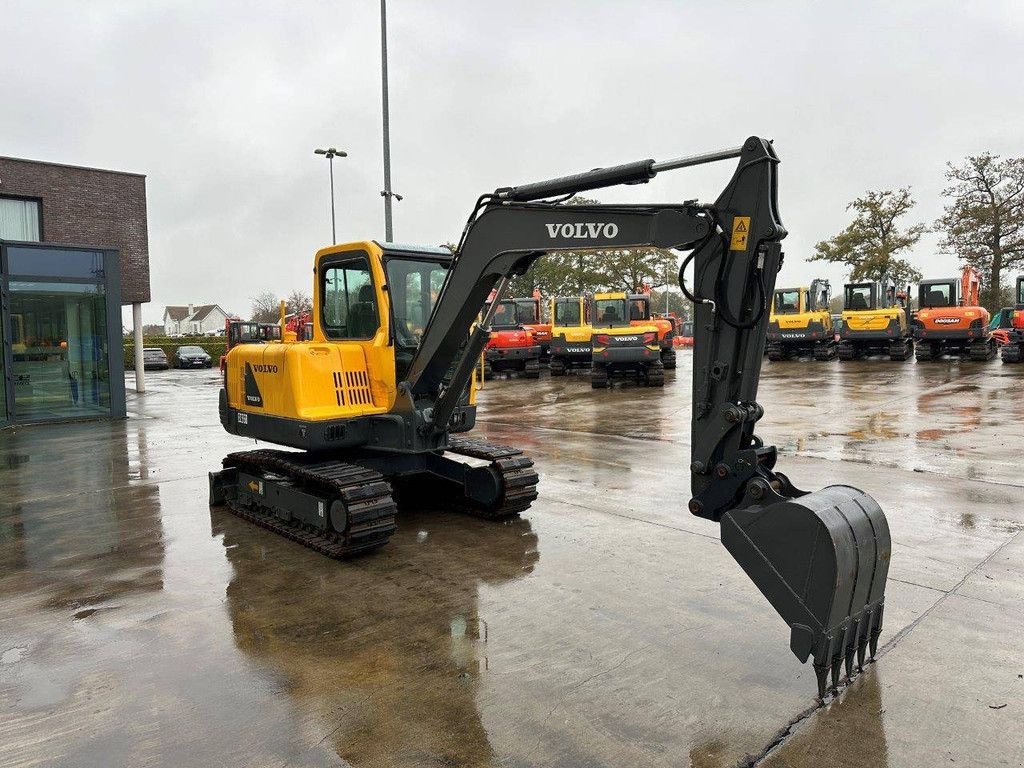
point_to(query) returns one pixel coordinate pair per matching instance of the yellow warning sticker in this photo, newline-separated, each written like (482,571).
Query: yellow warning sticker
(740,230)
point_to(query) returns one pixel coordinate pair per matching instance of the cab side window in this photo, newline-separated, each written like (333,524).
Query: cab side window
(349,301)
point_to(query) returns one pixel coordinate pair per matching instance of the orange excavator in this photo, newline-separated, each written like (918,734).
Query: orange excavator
(951,321)
(1012,325)
(640,315)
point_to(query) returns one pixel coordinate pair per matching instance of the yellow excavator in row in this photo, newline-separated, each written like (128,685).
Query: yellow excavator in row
(800,323)
(376,406)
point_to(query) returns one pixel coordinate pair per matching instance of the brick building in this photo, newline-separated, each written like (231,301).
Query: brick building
(73,248)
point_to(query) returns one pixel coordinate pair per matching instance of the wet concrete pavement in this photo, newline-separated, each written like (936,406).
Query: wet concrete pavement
(607,627)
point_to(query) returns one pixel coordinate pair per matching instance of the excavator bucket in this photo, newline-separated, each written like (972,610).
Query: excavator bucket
(821,560)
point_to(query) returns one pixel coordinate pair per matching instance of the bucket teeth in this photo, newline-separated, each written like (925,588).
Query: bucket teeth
(821,671)
(822,560)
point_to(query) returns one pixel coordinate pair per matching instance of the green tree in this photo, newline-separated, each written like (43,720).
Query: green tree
(632,270)
(677,303)
(983,224)
(871,244)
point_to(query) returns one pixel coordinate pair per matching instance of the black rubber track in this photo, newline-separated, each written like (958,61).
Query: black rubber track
(364,492)
(519,478)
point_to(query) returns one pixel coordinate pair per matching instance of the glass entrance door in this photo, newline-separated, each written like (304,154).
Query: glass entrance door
(3,372)
(59,349)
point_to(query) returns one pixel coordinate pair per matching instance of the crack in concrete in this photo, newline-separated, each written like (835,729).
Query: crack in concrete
(576,687)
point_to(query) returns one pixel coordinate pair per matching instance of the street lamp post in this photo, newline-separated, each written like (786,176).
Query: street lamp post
(330,154)
(387,192)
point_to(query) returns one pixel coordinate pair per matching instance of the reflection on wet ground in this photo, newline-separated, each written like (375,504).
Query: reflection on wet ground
(608,627)
(392,656)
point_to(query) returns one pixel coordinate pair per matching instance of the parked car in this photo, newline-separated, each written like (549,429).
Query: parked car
(192,357)
(153,358)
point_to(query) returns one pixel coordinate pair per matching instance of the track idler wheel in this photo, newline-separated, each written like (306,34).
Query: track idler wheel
(821,560)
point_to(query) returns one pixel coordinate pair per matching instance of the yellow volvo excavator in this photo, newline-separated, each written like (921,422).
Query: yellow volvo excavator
(800,323)
(377,403)
(570,333)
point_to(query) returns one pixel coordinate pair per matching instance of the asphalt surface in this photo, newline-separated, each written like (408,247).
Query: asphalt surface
(607,627)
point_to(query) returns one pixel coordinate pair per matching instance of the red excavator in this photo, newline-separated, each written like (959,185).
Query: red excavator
(951,321)
(1012,323)
(512,345)
(541,328)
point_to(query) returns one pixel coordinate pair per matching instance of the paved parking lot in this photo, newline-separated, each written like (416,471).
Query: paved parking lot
(606,627)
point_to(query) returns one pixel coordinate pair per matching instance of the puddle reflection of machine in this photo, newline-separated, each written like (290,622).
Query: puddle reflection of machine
(391,659)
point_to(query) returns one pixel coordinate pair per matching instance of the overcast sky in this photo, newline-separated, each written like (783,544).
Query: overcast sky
(221,105)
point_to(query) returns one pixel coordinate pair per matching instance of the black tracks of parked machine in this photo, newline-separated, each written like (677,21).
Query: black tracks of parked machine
(519,478)
(366,495)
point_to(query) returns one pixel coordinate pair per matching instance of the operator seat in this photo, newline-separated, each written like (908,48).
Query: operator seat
(610,315)
(362,316)
(936,299)
(858,301)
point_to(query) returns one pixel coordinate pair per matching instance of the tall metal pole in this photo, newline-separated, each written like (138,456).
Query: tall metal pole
(666,290)
(334,234)
(388,232)
(330,154)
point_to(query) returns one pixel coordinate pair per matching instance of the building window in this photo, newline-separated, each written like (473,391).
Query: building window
(19,219)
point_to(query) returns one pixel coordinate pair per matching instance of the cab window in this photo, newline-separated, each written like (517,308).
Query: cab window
(859,297)
(609,310)
(349,300)
(638,309)
(567,313)
(937,295)
(414,287)
(526,312)
(787,302)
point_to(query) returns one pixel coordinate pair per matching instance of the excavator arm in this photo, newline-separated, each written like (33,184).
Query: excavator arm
(821,558)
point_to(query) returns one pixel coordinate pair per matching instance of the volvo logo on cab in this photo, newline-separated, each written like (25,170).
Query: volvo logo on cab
(262,368)
(583,231)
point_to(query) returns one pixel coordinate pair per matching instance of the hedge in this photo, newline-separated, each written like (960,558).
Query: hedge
(215,346)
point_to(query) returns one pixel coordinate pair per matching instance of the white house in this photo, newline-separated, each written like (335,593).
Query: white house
(193,320)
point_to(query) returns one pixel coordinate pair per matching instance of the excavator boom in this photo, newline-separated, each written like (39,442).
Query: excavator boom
(821,559)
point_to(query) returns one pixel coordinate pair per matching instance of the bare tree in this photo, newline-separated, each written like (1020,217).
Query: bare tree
(984,220)
(266,308)
(298,302)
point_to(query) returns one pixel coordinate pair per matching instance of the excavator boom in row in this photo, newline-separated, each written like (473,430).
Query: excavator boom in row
(376,401)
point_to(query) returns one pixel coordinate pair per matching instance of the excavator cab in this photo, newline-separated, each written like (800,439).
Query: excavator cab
(874,322)
(570,333)
(620,348)
(377,400)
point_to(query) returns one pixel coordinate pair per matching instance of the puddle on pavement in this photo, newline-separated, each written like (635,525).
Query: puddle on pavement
(13,655)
